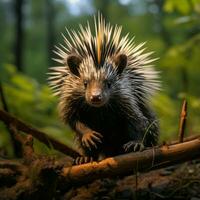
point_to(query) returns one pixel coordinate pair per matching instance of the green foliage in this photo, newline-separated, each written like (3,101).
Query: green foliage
(182,6)
(33,103)
(180,63)
(168,114)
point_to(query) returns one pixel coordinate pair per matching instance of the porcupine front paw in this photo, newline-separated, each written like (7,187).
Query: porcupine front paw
(133,146)
(82,160)
(91,139)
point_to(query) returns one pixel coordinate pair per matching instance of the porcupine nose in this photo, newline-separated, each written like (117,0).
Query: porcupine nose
(96,98)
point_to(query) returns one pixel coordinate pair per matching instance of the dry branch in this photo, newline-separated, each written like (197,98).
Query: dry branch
(182,123)
(126,164)
(41,136)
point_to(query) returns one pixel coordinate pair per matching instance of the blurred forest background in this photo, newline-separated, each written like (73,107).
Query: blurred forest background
(29,29)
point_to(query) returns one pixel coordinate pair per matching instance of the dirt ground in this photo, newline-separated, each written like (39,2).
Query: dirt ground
(177,182)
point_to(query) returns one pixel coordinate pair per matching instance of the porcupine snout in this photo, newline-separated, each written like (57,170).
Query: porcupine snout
(96,94)
(96,97)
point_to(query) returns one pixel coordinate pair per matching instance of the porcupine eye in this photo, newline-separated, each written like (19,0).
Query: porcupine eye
(108,83)
(85,83)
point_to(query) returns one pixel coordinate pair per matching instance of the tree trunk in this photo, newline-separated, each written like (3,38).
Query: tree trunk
(19,34)
(50,15)
(159,19)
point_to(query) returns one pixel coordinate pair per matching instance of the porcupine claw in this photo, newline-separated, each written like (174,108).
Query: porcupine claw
(82,160)
(133,146)
(91,139)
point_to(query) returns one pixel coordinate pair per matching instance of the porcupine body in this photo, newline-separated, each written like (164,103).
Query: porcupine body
(104,83)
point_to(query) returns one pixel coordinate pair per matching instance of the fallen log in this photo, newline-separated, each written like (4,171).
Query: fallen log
(150,159)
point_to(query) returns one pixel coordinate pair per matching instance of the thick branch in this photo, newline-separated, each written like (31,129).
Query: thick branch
(41,136)
(131,163)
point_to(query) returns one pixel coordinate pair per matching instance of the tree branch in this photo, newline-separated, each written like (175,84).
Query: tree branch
(41,136)
(150,159)
(182,123)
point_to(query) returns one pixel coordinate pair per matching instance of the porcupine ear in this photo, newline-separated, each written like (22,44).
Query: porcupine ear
(120,62)
(74,61)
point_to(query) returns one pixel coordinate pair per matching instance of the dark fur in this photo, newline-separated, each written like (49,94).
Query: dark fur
(116,127)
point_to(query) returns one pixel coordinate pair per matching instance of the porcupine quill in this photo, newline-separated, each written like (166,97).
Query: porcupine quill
(104,83)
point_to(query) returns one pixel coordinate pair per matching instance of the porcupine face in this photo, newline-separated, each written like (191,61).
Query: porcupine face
(97,91)
(94,67)
(97,83)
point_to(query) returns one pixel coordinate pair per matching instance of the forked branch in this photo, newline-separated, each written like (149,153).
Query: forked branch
(41,136)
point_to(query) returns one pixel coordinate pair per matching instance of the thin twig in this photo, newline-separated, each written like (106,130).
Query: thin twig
(182,123)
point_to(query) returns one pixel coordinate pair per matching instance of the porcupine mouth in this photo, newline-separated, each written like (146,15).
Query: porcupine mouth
(97,104)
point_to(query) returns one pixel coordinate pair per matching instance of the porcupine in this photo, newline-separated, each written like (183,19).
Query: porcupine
(105,83)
